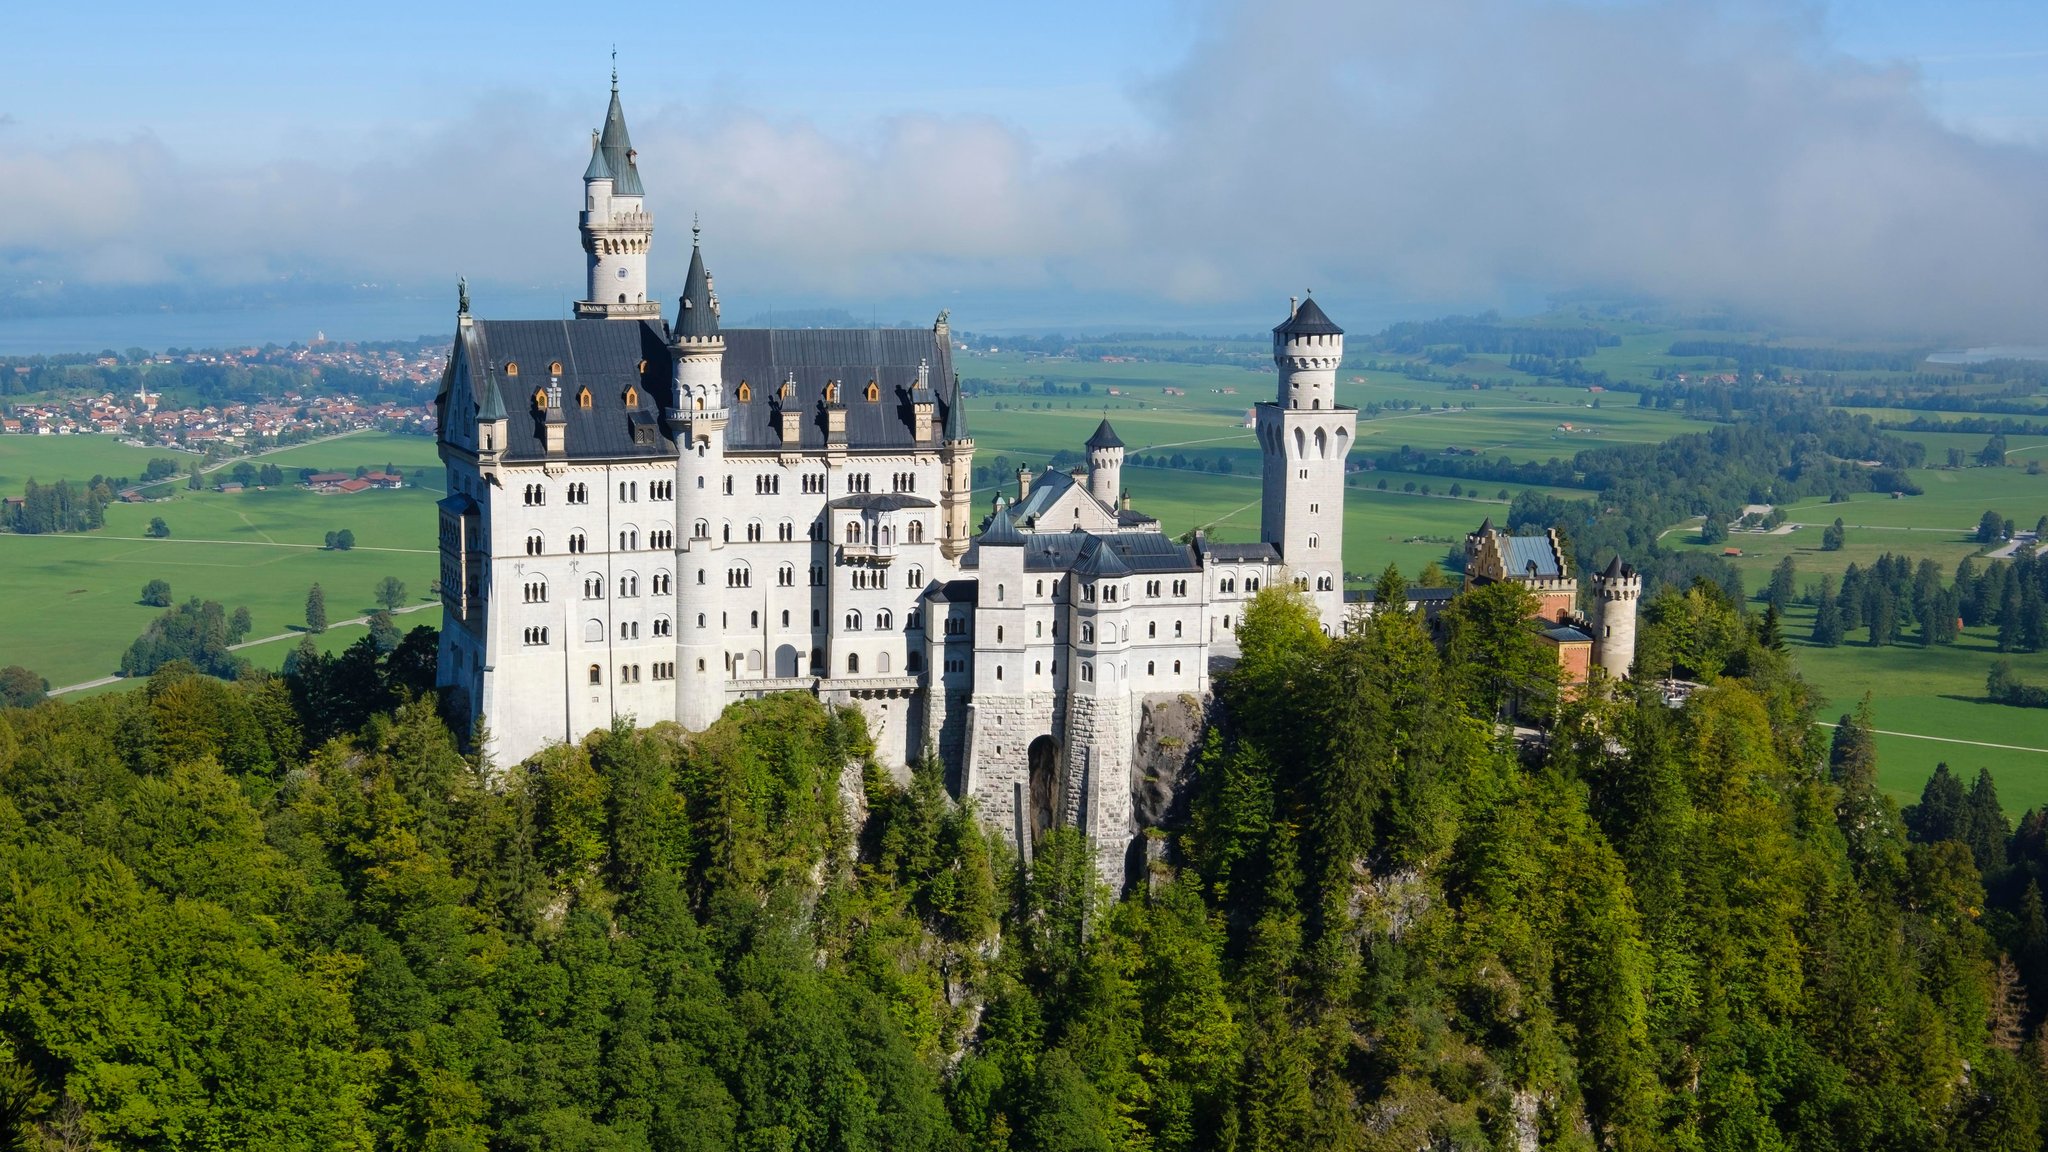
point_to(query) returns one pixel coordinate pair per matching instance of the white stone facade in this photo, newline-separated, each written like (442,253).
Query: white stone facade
(642,524)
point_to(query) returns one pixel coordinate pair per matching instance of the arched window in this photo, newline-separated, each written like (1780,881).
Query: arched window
(583,398)
(853,621)
(884,619)
(534,546)
(874,393)
(745,392)
(1087,674)
(597,673)
(512,369)
(852,663)
(540,396)
(1148,668)
(1176,629)
(632,397)
(1087,633)
(882,664)
(1176,667)
(853,531)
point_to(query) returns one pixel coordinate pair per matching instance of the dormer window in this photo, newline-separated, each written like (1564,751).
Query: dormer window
(555,368)
(874,393)
(511,367)
(831,391)
(632,398)
(789,387)
(583,398)
(540,397)
(746,393)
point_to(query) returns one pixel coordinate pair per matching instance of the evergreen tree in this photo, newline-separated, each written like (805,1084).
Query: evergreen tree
(1827,617)
(1987,829)
(1783,586)
(316,610)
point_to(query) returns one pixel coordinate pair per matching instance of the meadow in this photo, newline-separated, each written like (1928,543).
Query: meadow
(76,596)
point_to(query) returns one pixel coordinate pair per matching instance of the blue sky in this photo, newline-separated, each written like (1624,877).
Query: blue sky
(1861,162)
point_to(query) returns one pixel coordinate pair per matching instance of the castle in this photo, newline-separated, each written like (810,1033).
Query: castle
(654,517)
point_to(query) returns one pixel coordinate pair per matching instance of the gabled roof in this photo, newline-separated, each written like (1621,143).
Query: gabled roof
(807,360)
(1530,556)
(1105,436)
(1308,320)
(617,146)
(1001,530)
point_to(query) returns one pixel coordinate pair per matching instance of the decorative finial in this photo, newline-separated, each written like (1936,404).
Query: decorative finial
(695,228)
(615,67)
(462,295)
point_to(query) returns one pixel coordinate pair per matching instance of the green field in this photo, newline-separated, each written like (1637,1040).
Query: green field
(75,596)
(48,459)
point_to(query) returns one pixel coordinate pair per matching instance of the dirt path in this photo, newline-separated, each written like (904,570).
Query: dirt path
(1947,739)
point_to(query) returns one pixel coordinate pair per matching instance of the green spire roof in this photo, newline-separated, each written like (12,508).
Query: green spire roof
(956,415)
(617,147)
(695,315)
(598,170)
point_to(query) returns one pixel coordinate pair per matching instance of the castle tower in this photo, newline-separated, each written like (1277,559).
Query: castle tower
(1615,592)
(617,230)
(1305,435)
(956,461)
(697,419)
(1105,464)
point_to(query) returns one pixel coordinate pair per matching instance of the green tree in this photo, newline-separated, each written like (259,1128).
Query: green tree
(1992,455)
(316,610)
(1827,616)
(1493,647)
(157,593)
(391,593)
(157,529)
(239,624)
(1833,536)
(1990,527)
(21,688)
(1783,586)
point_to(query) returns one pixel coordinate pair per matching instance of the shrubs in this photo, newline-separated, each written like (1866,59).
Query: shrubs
(157,593)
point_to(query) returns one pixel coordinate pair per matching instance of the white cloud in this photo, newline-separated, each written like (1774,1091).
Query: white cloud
(1684,149)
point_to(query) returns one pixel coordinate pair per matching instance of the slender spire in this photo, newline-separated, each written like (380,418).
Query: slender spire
(956,415)
(617,145)
(697,313)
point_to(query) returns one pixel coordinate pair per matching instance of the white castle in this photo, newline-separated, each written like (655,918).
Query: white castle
(653,518)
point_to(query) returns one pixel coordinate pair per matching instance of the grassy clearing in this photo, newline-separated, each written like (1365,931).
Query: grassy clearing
(48,459)
(74,596)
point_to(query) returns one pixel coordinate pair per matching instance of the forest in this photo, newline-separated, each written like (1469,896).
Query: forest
(291,912)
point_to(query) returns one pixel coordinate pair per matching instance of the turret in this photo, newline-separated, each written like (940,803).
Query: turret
(1307,348)
(617,230)
(1105,464)
(697,419)
(1615,593)
(956,462)
(1304,436)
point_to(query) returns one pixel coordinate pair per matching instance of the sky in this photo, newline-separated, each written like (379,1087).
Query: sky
(1864,165)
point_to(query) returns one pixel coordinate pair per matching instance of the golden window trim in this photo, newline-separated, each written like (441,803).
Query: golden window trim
(540,397)
(632,397)
(555,368)
(746,393)
(511,367)
(874,392)
(583,398)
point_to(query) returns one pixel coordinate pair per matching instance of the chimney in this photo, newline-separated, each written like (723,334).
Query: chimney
(1023,481)
(1123,502)
(792,427)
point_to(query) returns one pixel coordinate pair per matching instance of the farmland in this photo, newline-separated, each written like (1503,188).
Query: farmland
(75,595)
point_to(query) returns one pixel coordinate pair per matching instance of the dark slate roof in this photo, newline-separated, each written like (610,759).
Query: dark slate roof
(1125,518)
(956,408)
(1531,555)
(1308,320)
(1485,526)
(812,357)
(490,405)
(1098,560)
(1417,594)
(1242,553)
(1613,568)
(696,315)
(601,355)
(1105,436)
(1063,551)
(1000,529)
(956,592)
(882,501)
(1565,634)
(618,149)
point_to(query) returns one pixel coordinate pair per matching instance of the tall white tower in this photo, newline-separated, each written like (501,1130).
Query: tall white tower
(697,420)
(617,229)
(1305,435)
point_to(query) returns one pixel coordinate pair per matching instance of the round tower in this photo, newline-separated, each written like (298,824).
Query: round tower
(697,418)
(1307,349)
(1615,592)
(1105,464)
(616,227)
